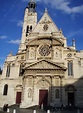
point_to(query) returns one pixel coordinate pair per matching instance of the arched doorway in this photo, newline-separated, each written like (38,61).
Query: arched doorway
(70,90)
(43,97)
(18,90)
(43,91)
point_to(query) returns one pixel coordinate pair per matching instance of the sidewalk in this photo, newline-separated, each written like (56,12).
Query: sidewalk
(20,110)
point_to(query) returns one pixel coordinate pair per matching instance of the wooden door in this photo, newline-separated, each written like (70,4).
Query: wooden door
(43,97)
(71,98)
(18,97)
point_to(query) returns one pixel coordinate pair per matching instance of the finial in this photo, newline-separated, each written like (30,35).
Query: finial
(73,43)
(46,10)
(10,54)
(60,30)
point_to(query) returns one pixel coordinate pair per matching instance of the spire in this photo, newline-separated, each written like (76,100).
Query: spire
(32,6)
(73,43)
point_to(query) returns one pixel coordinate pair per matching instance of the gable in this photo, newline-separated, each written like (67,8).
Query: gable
(44,64)
(46,25)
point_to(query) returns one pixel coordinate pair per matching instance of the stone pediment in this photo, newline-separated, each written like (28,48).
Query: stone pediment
(44,64)
(45,25)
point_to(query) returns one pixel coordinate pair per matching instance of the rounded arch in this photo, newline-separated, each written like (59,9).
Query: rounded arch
(18,87)
(5,91)
(70,87)
(51,39)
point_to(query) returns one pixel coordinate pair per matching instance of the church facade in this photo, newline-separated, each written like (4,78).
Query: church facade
(44,70)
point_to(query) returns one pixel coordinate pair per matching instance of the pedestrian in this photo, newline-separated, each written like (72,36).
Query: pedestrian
(62,106)
(5,107)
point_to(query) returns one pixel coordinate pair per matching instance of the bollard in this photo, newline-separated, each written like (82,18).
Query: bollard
(34,111)
(8,110)
(78,111)
(48,111)
(14,111)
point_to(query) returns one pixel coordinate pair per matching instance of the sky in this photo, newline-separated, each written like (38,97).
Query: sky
(66,14)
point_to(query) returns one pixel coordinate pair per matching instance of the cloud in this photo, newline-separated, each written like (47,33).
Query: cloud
(62,5)
(74,33)
(20,23)
(29,0)
(3,37)
(14,41)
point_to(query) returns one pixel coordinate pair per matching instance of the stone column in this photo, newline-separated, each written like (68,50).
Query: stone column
(61,89)
(34,80)
(52,84)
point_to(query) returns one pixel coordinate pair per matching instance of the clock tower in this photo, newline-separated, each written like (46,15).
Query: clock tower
(30,21)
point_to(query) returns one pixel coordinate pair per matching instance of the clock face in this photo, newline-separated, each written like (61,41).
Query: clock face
(44,50)
(30,19)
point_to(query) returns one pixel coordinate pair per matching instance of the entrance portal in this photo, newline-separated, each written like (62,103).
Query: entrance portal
(70,89)
(43,97)
(71,98)
(18,97)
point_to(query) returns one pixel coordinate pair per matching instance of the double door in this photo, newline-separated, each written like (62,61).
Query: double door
(43,97)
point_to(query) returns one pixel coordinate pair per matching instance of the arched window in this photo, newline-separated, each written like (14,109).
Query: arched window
(5,89)
(30,28)
(57,93)
(70,68)
(8,71)
(31,5)
(27,30)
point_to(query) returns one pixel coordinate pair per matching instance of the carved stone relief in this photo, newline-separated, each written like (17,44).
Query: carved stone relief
(31,53)
(57,53)
(43,84)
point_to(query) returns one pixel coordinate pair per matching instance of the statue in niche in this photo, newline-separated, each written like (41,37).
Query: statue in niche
(29,93)
(31,53)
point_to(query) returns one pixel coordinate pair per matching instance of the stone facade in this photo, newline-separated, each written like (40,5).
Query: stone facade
(44,70)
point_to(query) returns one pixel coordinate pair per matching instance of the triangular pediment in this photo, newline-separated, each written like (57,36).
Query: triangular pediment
(44,64)
(45,25)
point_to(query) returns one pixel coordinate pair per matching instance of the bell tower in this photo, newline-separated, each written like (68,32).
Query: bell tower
(30,21)
(32,6)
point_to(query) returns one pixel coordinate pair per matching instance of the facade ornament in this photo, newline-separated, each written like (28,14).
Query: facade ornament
(10,54)
(45,27)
